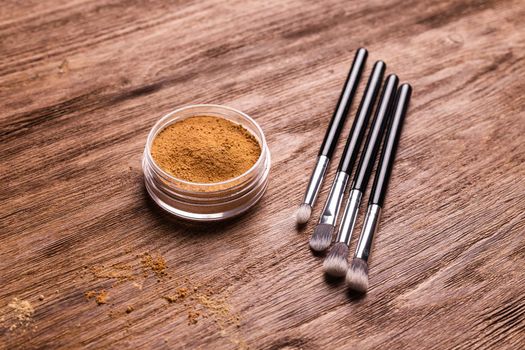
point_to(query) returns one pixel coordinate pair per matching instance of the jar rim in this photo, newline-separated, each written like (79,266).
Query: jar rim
(153,132)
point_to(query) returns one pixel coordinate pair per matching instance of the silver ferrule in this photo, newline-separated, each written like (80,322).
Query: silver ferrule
(333,202)
(316,180)
(349,217)
(367,234)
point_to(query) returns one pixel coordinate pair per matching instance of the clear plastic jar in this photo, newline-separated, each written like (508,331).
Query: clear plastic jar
(206,201)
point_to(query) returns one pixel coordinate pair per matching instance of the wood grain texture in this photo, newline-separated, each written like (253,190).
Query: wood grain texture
(81,84)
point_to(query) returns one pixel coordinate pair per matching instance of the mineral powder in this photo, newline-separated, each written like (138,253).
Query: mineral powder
(205,149)
(23,312)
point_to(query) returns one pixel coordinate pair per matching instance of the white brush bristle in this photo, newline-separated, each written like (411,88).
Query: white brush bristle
(303,214)
(336,262)
(357,276)
(322,237)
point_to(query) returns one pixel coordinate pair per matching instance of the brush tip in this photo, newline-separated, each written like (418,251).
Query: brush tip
(303,214)
(336,262)
(357,276)
(322,237)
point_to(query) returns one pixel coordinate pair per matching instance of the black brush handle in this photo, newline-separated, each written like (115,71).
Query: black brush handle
(386,162)
(366,107)
(366,163)
(341,111)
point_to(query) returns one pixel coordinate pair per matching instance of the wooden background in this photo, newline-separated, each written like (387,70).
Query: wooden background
(81,84)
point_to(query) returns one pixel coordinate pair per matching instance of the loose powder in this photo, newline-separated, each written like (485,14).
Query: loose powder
(157,264)
(198,303)
(100,297)
(205,149)
(23,312)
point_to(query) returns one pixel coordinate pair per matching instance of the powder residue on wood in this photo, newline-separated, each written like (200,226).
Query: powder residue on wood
(198,303)
(203,304)
(180,294)
(135,270)
(155,263)
(207,303)
(205,149)
(119,272)
(100,297)
(22,312)
(122,272)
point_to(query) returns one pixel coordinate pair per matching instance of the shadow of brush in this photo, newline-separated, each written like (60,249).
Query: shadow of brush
(355,295)
(333,281)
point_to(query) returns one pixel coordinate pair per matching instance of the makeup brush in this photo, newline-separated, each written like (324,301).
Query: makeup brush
(336,263)
(332,134)
(357,276)
(322,236)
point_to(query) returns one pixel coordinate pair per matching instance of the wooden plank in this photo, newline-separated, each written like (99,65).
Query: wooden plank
(81,84)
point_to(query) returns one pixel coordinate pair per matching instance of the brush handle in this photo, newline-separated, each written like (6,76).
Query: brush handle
(384,168)
(341,111)
(373,141)
(346,228)
(364,112)
(364,245)
(386,162)
(353,143)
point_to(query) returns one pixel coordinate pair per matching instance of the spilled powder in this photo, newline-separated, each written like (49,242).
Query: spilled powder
(22,311)
(180,294)
(90,294)
(204,304)
(196,302)
(205,149)
(156,263)
(100,297)
(193,317)
(119,272)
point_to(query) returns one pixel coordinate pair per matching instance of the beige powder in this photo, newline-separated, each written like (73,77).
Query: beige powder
(205,149)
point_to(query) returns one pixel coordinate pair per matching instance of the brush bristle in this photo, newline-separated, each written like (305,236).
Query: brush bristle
(303,214)
(322,237)
(357,276)
(336,262)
